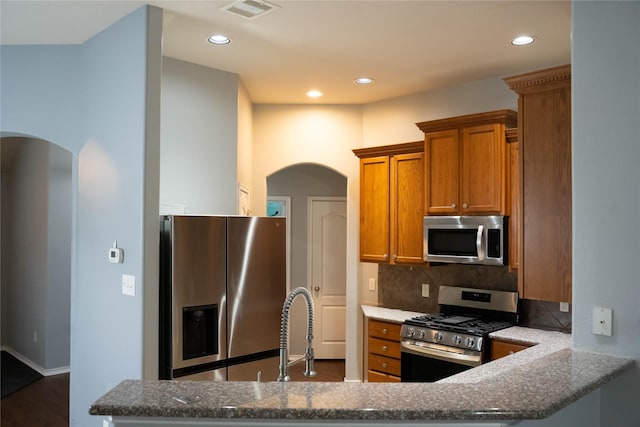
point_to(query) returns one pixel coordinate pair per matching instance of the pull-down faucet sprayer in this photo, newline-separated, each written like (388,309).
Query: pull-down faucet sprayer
(284,332)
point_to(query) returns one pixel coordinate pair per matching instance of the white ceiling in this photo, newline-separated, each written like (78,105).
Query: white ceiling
(406,46)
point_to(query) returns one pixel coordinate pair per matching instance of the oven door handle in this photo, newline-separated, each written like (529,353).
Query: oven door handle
(447,356)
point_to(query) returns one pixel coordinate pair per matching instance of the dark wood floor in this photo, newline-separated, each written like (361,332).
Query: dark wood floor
(326,370)
(45,403)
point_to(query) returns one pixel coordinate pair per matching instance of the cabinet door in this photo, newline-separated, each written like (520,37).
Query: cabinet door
(502,348)
(544,138)
(482,169)
(407,204)
(545,267)
(441,172)
(374,209)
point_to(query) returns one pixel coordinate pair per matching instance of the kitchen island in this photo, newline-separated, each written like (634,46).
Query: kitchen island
(543,381)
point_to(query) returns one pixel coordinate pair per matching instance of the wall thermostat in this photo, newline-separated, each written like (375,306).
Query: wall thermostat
(116,254)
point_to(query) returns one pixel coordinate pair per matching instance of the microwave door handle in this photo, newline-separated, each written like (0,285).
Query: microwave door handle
(479,245)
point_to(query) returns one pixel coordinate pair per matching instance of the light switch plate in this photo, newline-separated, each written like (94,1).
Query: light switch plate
(372,284)
(602,321)
(129,285)
(425,290)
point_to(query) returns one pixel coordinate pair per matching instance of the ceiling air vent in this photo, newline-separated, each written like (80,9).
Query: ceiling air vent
(250,9)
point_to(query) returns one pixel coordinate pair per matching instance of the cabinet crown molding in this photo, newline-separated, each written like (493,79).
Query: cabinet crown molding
(536,81)
(507,117)
(390,150)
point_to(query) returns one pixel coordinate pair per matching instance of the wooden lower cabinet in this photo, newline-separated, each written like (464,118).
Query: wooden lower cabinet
(383,351)
(501,348)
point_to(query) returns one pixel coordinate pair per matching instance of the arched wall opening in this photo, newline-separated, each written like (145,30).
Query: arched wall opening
(297,183)
(36,236)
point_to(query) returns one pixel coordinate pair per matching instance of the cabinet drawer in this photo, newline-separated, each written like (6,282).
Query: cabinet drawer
(384,364)
(502,348)
(386,330)
(378,377)
(384,347)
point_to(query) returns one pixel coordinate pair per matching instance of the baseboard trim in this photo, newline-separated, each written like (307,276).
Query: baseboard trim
(39,369)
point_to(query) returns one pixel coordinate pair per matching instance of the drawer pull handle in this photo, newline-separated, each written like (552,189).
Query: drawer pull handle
(384,365)
(384,348)
(384,331)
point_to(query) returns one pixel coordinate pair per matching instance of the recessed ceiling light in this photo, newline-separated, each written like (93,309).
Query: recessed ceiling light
(523,40)
(363,81)
(314,93)
(219,39)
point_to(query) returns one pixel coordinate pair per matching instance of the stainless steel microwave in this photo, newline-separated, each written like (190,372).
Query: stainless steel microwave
(466,239)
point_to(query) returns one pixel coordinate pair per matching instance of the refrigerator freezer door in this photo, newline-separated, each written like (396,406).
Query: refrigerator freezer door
(213,375)
(198,290)
(256,283)
(266,369)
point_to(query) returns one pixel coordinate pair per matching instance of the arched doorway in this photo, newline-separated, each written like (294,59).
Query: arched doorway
(299,185)
(36,233)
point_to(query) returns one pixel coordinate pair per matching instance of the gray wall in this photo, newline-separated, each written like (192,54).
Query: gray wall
(101,101)
(59,258)
(606,199)
(36,256)
(199,155)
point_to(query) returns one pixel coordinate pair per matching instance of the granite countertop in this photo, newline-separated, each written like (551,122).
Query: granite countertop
(531,384)
(388,314)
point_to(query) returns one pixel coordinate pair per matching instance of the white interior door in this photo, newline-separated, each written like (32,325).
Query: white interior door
(327,273)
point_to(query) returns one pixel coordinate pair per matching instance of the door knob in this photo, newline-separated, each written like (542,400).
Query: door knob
(317,288)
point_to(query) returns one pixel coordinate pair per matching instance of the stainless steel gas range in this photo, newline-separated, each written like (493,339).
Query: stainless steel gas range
(435,346)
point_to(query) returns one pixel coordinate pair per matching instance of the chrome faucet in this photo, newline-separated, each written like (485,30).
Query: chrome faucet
(284,333)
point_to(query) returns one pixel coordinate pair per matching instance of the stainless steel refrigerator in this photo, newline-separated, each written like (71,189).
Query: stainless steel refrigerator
(222,286)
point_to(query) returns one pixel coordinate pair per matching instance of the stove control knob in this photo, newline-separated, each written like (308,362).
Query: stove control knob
(470,342)
(457,339)
(438,336)
(421,334)
(411,332)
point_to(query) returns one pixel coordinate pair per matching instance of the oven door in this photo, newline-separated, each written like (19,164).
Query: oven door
(426,362)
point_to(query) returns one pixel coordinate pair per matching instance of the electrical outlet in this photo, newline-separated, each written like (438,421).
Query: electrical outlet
(425,290)
(602,321)
(564,307)
(372,284)
(129,285)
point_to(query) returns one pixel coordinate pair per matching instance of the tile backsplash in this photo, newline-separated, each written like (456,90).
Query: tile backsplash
(401,287)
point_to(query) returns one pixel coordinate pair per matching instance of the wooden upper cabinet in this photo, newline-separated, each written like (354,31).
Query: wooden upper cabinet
(391,203)
(482,169)
(374,209)
(465,164)
(407,190)
(441,172)
(544,108)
